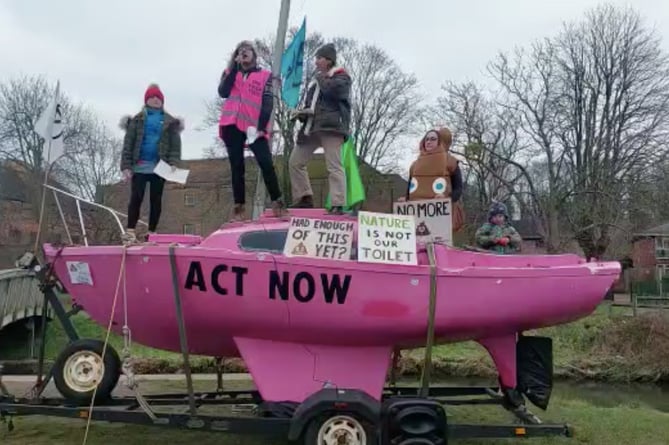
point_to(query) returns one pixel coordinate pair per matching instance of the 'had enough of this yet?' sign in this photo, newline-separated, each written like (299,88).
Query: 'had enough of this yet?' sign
(319,238)
(386,238)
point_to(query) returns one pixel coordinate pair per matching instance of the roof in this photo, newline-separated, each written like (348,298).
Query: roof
(214,170)
(661,230)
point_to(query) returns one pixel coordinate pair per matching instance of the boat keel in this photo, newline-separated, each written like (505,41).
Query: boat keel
(524,365)
(503,353)
(291,372)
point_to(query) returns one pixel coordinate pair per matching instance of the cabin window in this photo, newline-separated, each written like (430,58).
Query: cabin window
(264,240)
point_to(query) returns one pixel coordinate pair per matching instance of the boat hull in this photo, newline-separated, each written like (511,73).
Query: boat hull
(299,323)
(228,294)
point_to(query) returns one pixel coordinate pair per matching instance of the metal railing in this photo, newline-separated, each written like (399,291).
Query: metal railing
(115,214)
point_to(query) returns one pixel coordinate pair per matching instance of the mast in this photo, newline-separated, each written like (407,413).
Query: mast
(279,46)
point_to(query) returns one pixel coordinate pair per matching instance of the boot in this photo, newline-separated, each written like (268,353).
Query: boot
(129,237)
(336,210)
(238,212)
(305,202)
(279,209)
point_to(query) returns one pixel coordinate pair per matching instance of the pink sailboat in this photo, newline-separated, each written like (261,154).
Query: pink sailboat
(301,324)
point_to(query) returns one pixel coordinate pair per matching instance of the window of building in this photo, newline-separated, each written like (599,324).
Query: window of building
(189,199)
(662,247)
(265,240)
(662,272)
(191,229)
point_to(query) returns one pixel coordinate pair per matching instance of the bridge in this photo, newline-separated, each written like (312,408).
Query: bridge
(20,296)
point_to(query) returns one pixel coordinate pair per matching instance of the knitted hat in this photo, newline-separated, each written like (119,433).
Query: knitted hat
(327,51)
(497,208)
(153,91)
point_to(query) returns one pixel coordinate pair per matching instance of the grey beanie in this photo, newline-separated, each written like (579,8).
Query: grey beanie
(327,51)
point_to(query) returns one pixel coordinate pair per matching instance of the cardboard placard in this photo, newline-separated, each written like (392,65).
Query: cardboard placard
(434,219)
(319,238)
(386,238)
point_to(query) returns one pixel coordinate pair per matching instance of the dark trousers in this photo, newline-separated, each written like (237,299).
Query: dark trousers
(234,140)
(137,188)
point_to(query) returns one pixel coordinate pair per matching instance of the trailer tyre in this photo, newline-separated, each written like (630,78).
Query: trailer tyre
(80,368)
(340,428)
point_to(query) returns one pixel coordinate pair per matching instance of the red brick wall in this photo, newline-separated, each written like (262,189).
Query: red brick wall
(18,229)
(643,255)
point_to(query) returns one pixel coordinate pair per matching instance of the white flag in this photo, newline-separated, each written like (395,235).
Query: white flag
(50,127)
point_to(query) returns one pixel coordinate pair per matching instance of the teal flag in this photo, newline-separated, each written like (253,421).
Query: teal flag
(292,63)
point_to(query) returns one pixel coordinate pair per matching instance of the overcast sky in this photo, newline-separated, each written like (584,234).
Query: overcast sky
(106,53)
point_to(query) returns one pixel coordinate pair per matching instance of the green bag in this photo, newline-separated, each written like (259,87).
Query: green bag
(355,190)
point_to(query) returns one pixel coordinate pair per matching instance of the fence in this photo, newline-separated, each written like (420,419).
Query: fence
(652,294)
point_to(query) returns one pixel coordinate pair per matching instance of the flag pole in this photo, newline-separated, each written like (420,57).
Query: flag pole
(279,46)
(47,170)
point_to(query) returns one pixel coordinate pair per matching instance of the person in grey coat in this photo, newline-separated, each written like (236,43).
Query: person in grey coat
(325,115)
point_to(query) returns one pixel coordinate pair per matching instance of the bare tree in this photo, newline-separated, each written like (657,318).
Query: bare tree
(92,160)
(387,105)
(487,136)
(593,104)
(529,88)
(91,152)
(614,116)
(22,101)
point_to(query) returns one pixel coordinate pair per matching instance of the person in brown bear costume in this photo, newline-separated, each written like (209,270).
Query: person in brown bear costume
(436,174)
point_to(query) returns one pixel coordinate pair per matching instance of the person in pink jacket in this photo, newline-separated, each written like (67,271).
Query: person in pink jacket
(245,116)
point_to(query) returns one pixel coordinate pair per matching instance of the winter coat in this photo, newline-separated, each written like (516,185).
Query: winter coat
(328,95)
(169,144)
(489,232)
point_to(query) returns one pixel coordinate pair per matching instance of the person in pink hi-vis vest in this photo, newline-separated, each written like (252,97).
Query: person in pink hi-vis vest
(245,116)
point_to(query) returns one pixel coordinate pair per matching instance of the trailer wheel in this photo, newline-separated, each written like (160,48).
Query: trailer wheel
(80,368)
(340,429)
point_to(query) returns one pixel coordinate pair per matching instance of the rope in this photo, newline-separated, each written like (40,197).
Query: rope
(182,332)
(47,172)
(126,366)
(395,364)
(427,361)
(121,274)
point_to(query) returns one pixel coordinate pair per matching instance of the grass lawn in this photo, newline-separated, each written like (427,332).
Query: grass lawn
(618,423)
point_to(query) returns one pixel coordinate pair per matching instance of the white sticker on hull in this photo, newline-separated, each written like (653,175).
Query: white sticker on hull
(79,272)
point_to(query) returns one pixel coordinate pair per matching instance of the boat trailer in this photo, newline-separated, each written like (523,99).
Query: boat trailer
(404,416)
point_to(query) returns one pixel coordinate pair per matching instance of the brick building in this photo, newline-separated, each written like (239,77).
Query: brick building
(202,204)
(650,254)
(20,199)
